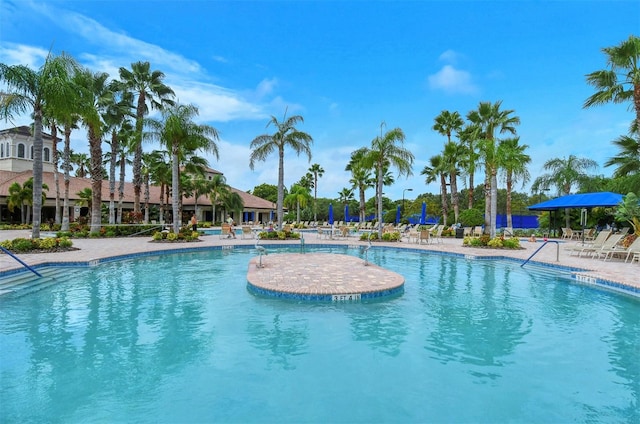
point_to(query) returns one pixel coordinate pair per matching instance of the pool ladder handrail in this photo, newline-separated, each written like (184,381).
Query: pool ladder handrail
(20,261)
(543,245)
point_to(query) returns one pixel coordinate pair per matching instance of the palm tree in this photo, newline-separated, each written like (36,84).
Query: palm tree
(317,172)
(286,135)
(95,95)
(232,202)
(34,92)
(151,93)
(489,118)
(18,197)
(69,121)
(388,150)
(447,123)
(85,198)
(437,170)
(50,120)
(627,161)
(345,196)
(82,161)
(450,161)
(298,197)
(180,134)
(219,189)
(564,173)
(360,177)
(513,160)
(469,136)
(621,82)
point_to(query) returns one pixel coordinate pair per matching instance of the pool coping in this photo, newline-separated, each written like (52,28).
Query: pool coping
(577,275)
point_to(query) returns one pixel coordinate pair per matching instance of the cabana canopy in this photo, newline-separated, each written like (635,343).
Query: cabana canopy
(584,200)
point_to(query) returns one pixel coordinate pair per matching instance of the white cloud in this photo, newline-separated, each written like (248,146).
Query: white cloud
(449,56)
(18,54)
(452,81)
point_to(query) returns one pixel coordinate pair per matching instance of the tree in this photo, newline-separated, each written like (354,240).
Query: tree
(33,92)
(299,197)
(437,171)
(388,150)
(621,82)
(360,177)
(69,121)
(490,119)
(513,160)
(629,211)
(180,134)
(317,172)
(151,93)
(286,135)
(95,93)
(218,190)
(450,162)
(627,161)
(82,162)
(564,173)
(448,123)
(18,197)
(469,156)
(266,191)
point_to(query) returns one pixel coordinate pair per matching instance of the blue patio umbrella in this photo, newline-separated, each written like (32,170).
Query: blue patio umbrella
(271,216)
(423,216)
(346,213)
(398,214)
(331,213)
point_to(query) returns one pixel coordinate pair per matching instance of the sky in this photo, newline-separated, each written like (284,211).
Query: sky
(350,69)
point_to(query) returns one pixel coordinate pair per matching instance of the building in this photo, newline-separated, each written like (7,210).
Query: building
(16,166)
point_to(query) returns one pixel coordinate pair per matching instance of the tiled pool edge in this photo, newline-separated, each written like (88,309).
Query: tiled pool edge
(578,275)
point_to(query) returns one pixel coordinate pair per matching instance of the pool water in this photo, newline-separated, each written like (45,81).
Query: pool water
(178,338)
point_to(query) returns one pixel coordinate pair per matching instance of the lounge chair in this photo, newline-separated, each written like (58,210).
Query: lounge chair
(608,246)
(247,232)
(437,236)
(567,233)
(633,252)
(618,250)
(477,231)
(589,248)
(424,235)
(225,231)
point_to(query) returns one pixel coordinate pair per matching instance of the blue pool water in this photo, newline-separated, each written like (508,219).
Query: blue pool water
(178,338)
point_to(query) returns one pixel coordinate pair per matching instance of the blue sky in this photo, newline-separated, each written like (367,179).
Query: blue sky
(346,67)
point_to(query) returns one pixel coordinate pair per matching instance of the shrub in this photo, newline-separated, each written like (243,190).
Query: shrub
(65,242)
(391,236)
(512,243)
(495,242)
(158,235)
(7,244)
(172,236)
(47,243)
(22,245)
(471,218)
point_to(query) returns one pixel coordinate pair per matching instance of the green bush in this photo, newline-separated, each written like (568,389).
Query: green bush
(495,242)
(512,243)
(471,217)
(22,245)
(65,242)
(172,236)
(391,236)
(47,243)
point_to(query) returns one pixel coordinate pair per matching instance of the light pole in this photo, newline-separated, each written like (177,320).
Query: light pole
(406,189)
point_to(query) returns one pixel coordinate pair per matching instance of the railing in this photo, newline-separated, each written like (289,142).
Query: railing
(540,248)
(146,230)
(20,261)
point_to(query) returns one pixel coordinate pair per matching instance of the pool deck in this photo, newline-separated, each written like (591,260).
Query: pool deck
(615,270)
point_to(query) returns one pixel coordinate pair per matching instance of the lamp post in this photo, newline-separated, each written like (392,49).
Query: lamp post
(406,189)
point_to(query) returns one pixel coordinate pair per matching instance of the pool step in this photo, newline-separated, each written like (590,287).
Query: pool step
(27,282)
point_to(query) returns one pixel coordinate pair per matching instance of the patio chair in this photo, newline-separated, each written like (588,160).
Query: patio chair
(608,246)
(225,231)
(424,235)
(247,232)
(589,248)
(477,231)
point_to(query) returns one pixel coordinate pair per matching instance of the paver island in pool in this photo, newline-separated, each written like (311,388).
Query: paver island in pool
(321,277)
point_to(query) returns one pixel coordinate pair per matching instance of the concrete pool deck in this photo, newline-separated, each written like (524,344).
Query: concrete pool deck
(617,271)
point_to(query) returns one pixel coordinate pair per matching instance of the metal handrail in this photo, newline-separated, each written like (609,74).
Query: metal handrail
(20,261)
(146,230)
(543,245)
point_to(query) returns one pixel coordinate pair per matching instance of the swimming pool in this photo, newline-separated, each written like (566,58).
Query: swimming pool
(178,338)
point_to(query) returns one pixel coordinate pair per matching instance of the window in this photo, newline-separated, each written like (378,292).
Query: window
(46,157)
(31,153)
(21,150)
(1,150)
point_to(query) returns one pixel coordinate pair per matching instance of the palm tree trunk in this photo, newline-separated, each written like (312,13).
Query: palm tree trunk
(66,164)
(455,201)
(112,177)
(443,195)
(175,188)
(494,203)
(470,191)
(95,146)
(56,177)
(509,188)
(146,199)
(362,205)
(37,171)
(379,196)
(280,208)
(121,188)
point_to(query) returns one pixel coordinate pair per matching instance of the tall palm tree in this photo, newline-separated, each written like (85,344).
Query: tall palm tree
(514,161)
(51,121)
(286,135)
(232,202)
(621,82)
(69,121)
(18,198)
(29,91)
(437,170)
(387,150)
(179,133)
(490,119)
(564,173)
(360,177)
(317,172)
(345,196)
(219,189)
(448,123)
(82,162)
(95,95)
(450,163)
(151,93)
(469,136)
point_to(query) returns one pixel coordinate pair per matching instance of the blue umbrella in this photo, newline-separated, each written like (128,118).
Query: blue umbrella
(423,217)
(346,213)
(331,213)
(271,216)
(398,214)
